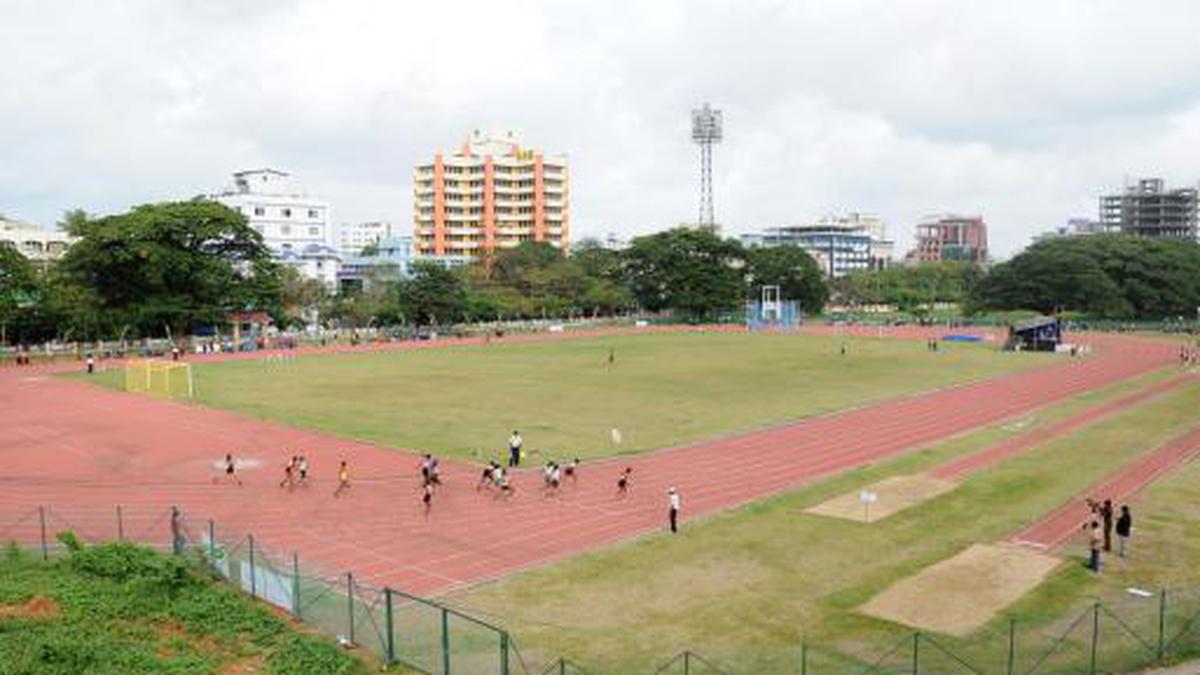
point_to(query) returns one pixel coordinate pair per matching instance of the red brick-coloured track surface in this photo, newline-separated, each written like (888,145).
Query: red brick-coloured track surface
(1058,526)
(82,450)
(960,468)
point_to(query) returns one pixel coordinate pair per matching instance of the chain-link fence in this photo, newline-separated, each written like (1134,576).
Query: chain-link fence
(418,634)
(1127,632)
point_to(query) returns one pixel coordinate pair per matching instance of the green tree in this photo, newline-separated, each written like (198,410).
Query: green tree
(432,295)
(20,296)
(793,270)
(1104,275)
(176,265)
(596,261)
(693,272)
(303,299)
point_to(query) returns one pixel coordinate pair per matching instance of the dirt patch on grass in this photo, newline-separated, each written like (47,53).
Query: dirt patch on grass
(253,664)
(39,607)
(958,595)
(893,495)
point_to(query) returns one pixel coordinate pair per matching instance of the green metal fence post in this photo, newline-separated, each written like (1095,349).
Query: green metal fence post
(253,580)
(687,662)
(296,584)
(916,660)
(1095,637)
(42,520)
(350,603)
(562,666)
(504,653)
(120,525)
(391,633)
(803,658)
(212,543)
(445,642)
(1012,647)
(1162,623)
(176,532)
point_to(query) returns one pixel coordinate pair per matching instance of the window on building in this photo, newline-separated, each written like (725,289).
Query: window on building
(312,213)
(285,230)
(259,211)
(314,231)
(287,213)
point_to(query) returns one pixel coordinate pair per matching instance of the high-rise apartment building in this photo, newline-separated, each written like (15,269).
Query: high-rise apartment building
(951,237)
(491,194)
(1147,208)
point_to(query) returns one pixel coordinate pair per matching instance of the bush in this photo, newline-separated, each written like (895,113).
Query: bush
(307,655)
(125,562)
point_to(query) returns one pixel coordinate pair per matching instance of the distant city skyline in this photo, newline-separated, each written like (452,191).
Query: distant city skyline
(1007,110)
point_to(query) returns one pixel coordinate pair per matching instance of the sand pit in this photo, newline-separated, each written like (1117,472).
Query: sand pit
(960,594)
(893,495)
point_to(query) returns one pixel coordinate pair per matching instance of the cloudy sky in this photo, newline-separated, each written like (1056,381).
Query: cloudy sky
(1024,111)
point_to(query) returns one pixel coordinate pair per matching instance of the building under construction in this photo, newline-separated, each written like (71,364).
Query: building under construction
(1148,209)
(950,237)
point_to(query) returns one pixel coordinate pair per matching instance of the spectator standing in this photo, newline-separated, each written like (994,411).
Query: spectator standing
(1106,517)
(1124,530)
(1095,541)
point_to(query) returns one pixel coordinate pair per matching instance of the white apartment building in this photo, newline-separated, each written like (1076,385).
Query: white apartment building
(352,238)
(38,244)
(288,219)
(492,193)
(295,227)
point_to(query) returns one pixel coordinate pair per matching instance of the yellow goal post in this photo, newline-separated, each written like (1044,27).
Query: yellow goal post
(155,377)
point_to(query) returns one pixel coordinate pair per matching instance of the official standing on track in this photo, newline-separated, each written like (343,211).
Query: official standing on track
(673,509)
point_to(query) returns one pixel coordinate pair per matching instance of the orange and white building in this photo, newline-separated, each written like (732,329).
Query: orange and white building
(491,194)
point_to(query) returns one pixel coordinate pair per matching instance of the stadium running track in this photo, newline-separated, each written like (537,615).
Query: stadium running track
(80,451)
(1057,527)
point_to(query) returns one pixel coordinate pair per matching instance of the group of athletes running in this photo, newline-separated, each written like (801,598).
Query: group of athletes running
(494,477)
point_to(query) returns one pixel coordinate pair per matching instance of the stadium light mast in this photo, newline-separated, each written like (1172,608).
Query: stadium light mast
(706,131)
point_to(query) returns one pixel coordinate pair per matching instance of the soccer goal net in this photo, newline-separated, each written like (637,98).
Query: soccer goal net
(166,379)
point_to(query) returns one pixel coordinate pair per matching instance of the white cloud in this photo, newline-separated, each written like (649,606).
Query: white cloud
(1022,111)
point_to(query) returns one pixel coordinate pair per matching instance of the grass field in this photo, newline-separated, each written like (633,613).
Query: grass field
(116,609)
(748,586)
(662,390)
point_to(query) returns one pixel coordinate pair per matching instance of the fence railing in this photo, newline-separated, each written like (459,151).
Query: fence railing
(1122,633)
(416,633)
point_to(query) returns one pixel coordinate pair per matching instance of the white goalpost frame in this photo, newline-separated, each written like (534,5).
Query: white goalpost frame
(771,304)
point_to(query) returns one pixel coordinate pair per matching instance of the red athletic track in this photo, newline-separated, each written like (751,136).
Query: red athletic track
(960,468)
(81,450)
(1057,527)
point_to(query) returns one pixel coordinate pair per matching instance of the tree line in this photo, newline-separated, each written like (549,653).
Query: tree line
(1110,276)
(179,268)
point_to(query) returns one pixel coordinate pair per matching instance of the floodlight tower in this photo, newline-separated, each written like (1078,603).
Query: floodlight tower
(706,131)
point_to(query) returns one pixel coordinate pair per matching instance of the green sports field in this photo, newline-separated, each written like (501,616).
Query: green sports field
(747,587)
(565,398)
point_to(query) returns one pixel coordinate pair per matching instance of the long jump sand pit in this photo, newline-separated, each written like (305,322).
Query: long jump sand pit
(892,496)
(959,595)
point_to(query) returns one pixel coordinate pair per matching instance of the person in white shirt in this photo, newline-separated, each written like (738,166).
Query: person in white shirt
(675,504)
(514,448)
